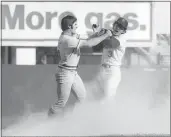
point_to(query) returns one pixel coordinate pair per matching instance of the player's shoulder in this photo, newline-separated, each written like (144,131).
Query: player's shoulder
(66,36)
(107,42)
(123,37)
(111,42)
(70,38)
(115,41)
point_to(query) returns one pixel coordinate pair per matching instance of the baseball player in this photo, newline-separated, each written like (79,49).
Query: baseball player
(113,51)
(67,77)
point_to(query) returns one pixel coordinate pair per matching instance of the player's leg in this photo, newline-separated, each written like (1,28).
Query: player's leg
(98,85)
(111,83)
(101,79)
(78,88)
(64,80)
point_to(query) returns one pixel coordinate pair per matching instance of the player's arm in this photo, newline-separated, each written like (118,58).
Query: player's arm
(92,41)
(95,33)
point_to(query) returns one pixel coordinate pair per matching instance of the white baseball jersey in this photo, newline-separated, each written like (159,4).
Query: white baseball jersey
(113,51)
(69,51)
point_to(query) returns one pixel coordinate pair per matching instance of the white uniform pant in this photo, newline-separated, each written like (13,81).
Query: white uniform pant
(108,80)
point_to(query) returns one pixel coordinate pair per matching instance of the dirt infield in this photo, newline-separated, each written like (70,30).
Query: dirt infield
(142,103)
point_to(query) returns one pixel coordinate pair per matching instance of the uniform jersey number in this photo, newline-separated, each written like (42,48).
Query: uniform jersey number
(110,53)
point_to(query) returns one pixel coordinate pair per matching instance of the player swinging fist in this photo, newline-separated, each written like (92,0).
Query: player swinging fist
(112,54)
(67,77)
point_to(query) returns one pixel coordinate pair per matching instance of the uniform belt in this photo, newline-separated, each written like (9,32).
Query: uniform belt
(109,66)
(68,67)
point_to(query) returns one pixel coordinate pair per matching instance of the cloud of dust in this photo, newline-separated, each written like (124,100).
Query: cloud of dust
(129,114)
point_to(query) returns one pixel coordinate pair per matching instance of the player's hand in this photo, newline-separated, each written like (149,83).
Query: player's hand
(96,28)
(109,33)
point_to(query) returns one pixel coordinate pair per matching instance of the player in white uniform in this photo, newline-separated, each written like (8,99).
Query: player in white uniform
(66,76)
(113,51)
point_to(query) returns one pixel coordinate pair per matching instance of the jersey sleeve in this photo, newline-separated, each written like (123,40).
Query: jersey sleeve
(123,41)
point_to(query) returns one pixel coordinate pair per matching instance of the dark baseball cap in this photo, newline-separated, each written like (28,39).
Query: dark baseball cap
(122,22)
